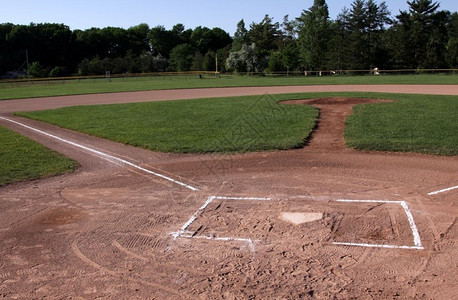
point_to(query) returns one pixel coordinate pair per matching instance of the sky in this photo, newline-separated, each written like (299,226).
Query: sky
(84,14)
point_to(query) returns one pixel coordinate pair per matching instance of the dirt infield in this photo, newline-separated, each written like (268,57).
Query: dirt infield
(320,222)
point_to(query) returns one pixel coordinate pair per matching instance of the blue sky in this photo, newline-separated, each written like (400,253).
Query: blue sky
(83,14)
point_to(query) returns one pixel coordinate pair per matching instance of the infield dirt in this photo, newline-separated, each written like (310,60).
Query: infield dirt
(109,230)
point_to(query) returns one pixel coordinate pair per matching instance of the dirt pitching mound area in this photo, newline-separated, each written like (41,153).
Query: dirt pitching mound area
(329,131)
(323,222)
(335,101)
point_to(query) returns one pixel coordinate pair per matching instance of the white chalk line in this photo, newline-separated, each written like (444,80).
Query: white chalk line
(209,200)
(379,246)
(242,198)
(415,233)
(413,226)
(194,216)
(104,155)
(443,190)
(184,233)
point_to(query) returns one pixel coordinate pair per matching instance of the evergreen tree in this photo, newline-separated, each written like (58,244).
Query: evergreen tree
(340,54)
(289,50)
(362,30)
(418,36)
(452,44)
(378,16)
(314,35)
(265,35)
(240,36)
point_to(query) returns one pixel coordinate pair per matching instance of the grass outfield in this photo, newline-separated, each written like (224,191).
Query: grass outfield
(76,87)
(22,158)
(241,124)
(414,123)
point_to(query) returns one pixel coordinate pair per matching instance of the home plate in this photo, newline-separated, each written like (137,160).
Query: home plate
(298,218)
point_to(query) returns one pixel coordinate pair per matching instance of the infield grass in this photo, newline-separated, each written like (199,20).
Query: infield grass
(413,123)
(76,87)
(226,125)
(22,158)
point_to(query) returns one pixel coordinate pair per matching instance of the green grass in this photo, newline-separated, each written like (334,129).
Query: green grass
(414,123)
(75,87)
(22,158)
(241,124)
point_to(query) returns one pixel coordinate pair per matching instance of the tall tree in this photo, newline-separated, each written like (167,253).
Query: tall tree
(49,44)
(240,36)
(163,41)
(378,17)
(106,42)
(219,39)
(340,54)
(358,35)
(452,44)
(265,34)
(364,25)
(201,38)
(181,57)
(289,56)
(314,35)
(436,47)
(138,38)
(9,61)
(417,41)
(266,37)
(205,39)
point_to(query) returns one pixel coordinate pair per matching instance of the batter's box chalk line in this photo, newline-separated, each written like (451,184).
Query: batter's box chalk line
(416,236)
(185,233)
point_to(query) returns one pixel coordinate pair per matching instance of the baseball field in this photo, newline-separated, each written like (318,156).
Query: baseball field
(293,191)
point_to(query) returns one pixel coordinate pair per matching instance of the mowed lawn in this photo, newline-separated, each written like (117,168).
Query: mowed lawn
(227,125)
(22,158)
(413,123)
(46,88)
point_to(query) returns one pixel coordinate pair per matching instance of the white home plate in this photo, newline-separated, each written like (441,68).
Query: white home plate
(299,218)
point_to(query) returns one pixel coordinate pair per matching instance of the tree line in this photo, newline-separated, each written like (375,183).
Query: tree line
(363,36)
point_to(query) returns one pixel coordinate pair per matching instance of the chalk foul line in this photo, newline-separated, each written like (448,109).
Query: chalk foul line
(443,190)
(104,155)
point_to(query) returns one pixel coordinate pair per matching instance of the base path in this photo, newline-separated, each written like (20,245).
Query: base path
(112,98)
(322,222)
